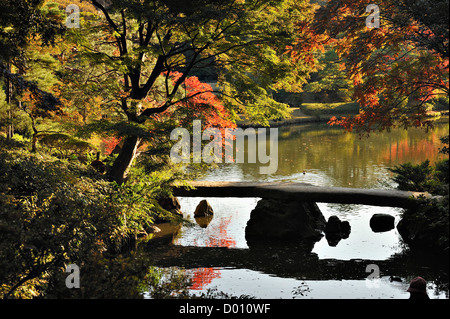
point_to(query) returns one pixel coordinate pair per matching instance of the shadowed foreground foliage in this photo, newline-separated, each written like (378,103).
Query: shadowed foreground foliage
(54,213)
(427,226)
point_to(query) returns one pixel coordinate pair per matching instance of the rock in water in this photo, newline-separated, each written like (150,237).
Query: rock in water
(171,204)
(203,222)
(335,230)
(382,222)
(203,209)
(345,227)
(333,225)
(279,219)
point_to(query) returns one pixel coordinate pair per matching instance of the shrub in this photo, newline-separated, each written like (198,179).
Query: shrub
(423,177)
(64,145)
(426,226)
(51,214)
(418,178)
(317,109)
(54,213)
(440,103)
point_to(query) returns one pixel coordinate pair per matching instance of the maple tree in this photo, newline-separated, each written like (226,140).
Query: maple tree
(199,103)
(28,33)
(21,21)
(110,144)
(395,68)
(141,45)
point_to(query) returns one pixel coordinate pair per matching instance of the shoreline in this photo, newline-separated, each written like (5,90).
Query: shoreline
(286,122)
(300,118)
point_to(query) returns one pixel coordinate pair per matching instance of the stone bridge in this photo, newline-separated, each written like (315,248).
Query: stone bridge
(289,210)
(301,192)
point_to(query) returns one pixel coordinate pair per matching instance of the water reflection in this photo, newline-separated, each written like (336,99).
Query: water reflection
(331,157)
(274,271)
(322,156)
(201,277)
(213,234)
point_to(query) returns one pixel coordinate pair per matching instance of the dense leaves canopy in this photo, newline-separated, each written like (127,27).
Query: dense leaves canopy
(395,68)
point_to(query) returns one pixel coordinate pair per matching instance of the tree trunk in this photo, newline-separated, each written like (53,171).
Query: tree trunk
(10,132)
(125,159)
(35,133)
(9,92)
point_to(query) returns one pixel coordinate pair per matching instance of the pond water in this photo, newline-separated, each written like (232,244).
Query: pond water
(322,156)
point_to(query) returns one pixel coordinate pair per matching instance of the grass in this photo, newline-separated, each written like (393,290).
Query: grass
(312,112)
(316,109)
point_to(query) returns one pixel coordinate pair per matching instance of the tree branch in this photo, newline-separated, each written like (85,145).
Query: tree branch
(107,16)
(151,111)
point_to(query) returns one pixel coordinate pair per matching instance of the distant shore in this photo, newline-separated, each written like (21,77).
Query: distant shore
(298,117)
(316,115)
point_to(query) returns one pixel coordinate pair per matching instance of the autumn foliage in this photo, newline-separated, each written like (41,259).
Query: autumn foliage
(198,103)
(395,68)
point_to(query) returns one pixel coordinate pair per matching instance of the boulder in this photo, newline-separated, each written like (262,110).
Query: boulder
(203,209)
(165,234)
(345,227)
(152,229)
(170,204)
(382,222)
(333,225)
(335,230)
(280,219)
(203,222)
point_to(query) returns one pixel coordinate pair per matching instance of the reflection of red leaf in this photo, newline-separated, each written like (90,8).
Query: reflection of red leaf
(204,276)
(403,150)
(221,237)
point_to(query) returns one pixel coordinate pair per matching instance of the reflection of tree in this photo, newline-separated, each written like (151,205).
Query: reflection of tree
(301,290)
(203,276)
(411,150)
(220,238)
(347,159)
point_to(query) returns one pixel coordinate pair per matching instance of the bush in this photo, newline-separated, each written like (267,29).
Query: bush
(418,178)
(64,145)
(330,108)
(440,103)
(54,213)
(424,177)
(427,226)
(51,214)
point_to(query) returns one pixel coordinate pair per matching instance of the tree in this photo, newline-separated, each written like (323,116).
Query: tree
(143,43)
(21,21)
(330,81)
(395,68)
(200,103)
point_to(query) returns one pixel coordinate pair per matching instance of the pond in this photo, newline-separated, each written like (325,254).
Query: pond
(216,255)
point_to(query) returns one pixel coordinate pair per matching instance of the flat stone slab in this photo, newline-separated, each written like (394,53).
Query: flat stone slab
(301,192)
